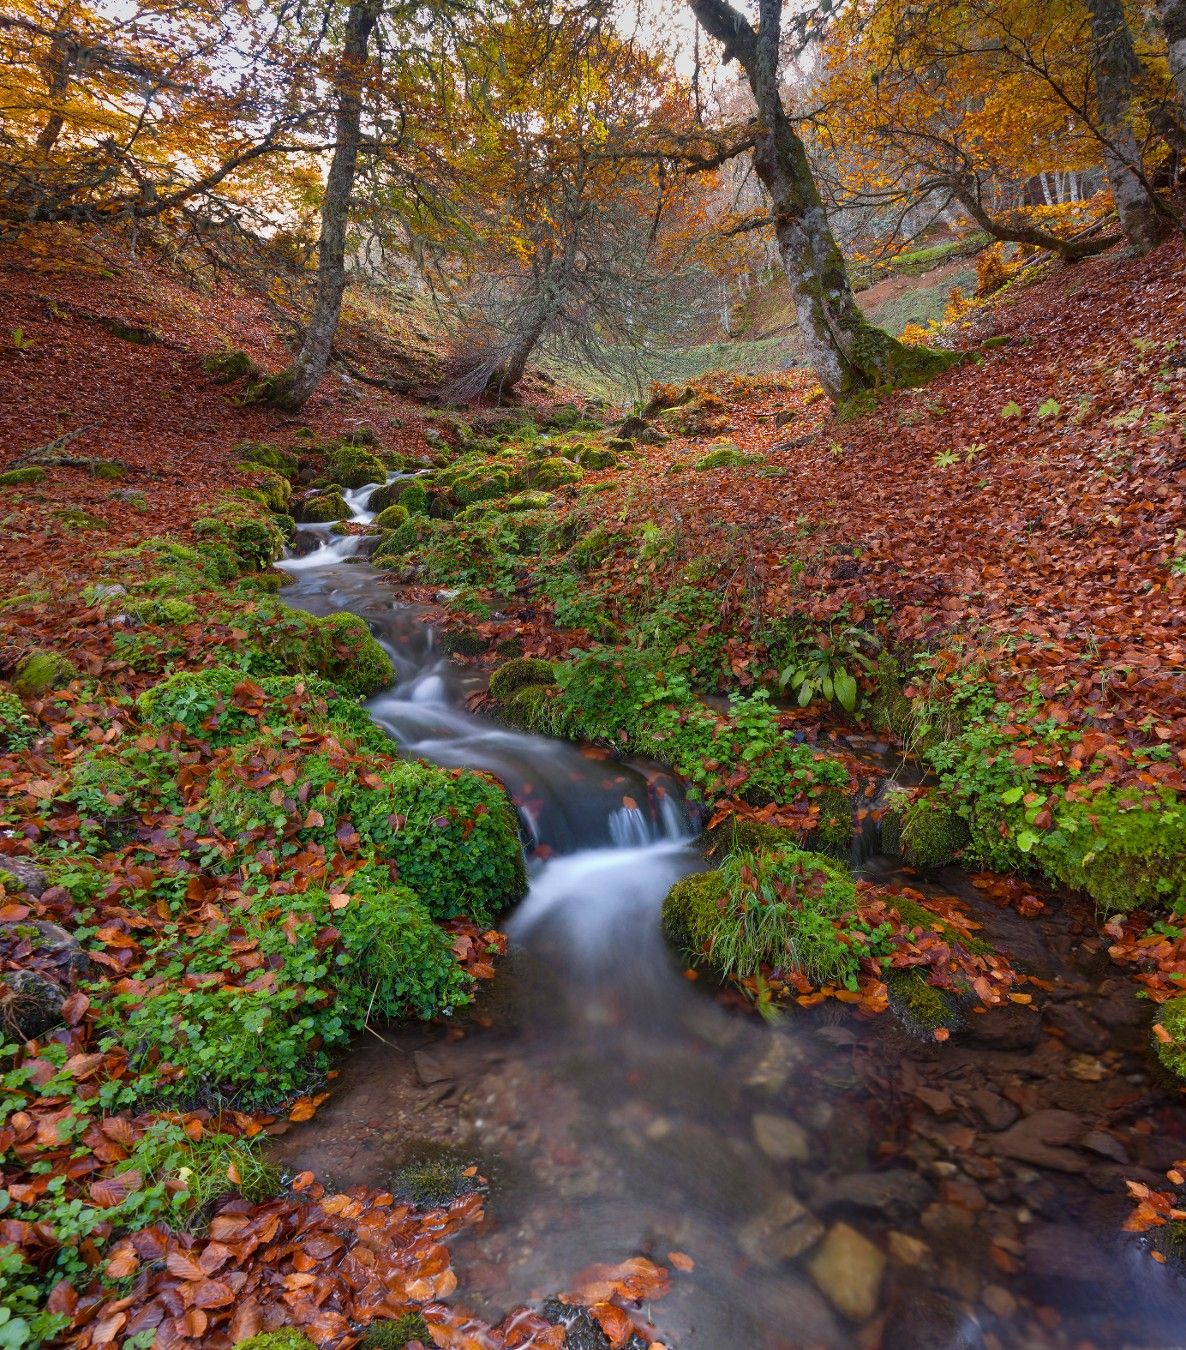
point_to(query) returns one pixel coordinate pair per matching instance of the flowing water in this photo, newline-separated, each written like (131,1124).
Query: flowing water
(970,1193)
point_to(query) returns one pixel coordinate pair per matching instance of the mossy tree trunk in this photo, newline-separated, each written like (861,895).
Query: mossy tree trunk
(848,354)
(1173,23)
(292,388)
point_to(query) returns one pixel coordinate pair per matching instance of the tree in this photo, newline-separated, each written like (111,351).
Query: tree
(566,209)
(126,114)
(1173,23)
(292,387)
(848,354)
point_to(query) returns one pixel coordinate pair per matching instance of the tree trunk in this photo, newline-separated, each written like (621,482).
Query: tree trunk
(1116,67)
(293,387)
(1018,231)
(1173,22)
(848,355)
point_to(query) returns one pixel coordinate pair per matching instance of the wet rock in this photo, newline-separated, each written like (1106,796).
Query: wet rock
(784,1230)
(921,1319)
(431,1069)
(935,1100)
(774,1068)
(1105,1144)
(999,1301)
(21,873)
(1041,1140)
(997,1112)
(1012,1026)
(887,1192)
(631,428)
(1086,1069)
(1060,1253)
(48,944)
(1080,1032)
(1122,1010)
(32,1004)
(907,1250)
(783,1301)
(781,1138)
(848,1271)
(581,1329)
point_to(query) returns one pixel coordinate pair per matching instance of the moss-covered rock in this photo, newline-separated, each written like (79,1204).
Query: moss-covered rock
(555,472)
(692,912)
(924,829)
(596,457)
(532,708)
(348,655)
(33,473)
(920,1007)
(528,501)
(161,611)
(268,457)
(255,539)
(738,834)
(322,509)
(354,467)
(229,365)
(516,674)
(392,517)
(414,498)
(275,491)
(1171,1018)
(723,456)
(43,670)
(395,1334)
(408,539)
(834,829)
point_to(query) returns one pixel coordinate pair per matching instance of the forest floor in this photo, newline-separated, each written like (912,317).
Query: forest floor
(1019,521)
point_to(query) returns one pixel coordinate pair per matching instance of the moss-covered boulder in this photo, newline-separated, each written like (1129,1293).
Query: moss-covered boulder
(925,829)
(387,495)
(345,652)
(268,457)
(322,509)
(596,457)
(228,365)
(555,472)
(725,455)
(532,708)
(920,1007)
(408,539)
(392,517)
(414,498)
(255,539)
(275,491)
(354,467)
(514,675)
(1169,1037)
(43,670)
(739,834)
(528,501)
(691,914)
(33,473)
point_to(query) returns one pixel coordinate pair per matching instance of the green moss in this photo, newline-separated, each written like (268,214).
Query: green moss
(392,517)
(596,457)
(289,1338)
(354,468)
(723,456)
(414,498)
(229,364)
(167,611)
(514,675)
(323,508)
(532,708)
(926,830)
(914,915)
(43,670)
(395,1334)
(75,518)
(268,457)
(20,477)
(1124,850)
(1171,1017)
(17,728)
(386,496)
(257,540)
(407,538)
(738,834)
(833,833)
(435,1178)
(462,642)
(692,913)
(554,472)
(529,501)
(348,655)
(920,1007)
(274,489)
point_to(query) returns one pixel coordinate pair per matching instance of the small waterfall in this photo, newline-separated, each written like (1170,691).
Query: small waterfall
(629,828)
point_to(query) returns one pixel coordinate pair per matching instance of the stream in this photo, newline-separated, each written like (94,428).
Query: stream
(833,1179)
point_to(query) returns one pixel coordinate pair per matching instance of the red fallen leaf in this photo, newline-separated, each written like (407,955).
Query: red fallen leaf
(302,1181)
(123,1261)
(942,1034)
(213,1294)
(182,1265)
(616,1325)
(112,1191)
(74,1008)
(681,1261)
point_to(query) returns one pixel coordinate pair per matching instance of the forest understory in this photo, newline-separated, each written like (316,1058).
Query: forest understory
(980,582)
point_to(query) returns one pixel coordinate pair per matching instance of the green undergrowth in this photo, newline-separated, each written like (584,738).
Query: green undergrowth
(253,869)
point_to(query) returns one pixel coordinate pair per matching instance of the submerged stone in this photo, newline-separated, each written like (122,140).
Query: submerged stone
(848,1270)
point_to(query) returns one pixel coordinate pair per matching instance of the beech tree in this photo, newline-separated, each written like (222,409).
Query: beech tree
(848,354)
